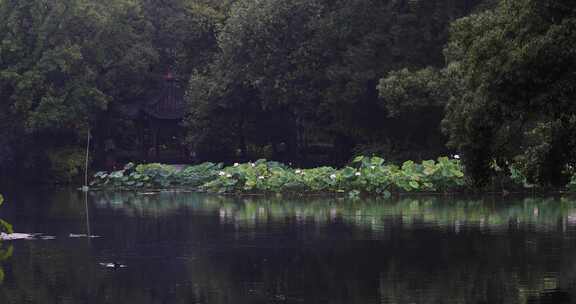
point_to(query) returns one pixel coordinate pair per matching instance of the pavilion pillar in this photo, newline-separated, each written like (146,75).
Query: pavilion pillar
(142,139)
(155,144)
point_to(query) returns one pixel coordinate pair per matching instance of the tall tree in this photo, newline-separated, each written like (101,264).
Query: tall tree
(514,100)
(66,65)
(319,62)
(61,64)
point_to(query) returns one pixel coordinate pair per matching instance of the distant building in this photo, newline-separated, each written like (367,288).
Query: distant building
(158,119)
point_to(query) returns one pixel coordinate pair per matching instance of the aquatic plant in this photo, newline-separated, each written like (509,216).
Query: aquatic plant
(364,175)
(371,175)
(155,175)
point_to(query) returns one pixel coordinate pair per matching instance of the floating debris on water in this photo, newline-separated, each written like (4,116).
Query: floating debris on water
(17,236)
(112,265)
(72,235)
(25,236)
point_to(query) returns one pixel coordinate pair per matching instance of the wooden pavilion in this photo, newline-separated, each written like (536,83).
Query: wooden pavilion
(160,120)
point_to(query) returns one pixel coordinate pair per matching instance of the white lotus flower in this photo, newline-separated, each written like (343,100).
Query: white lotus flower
(456,156)
(229,175)
(221,173)
(357,174)
(260,177)
(298,171)
(333,176)
(236,164)
(372,167)
(253,164)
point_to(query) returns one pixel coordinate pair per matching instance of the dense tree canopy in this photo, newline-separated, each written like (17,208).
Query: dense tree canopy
(309,82)
(514,100)
(64,64)
(61,60)
(314,67)
(60,64)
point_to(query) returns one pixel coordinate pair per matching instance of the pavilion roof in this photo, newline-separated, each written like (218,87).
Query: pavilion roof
(168,103)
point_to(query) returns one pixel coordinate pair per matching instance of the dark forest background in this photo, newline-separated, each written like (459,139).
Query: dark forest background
(308,82)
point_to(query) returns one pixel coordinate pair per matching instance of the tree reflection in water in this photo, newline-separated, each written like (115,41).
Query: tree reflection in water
(191,248)
(485,213)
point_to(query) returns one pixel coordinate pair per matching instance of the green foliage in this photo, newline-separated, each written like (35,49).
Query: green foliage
(260,176)
(369,175)
(155,176)
(443,175)
(366,175)
(5,253)
(60,82)
(265,176)
(5,227)
(512,96)
(70,66)
(195,176)
(314,67)
(66,164)
(417,98)
(61,64)
(354,75)
(403,91)
(152,169)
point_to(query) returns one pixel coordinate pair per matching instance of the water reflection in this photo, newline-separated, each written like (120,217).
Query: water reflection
(5,253)
(491,214)
(191,248)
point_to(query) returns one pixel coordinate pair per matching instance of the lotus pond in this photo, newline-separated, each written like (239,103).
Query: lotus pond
(130,247)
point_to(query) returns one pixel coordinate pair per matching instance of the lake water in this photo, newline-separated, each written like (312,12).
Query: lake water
(192,248)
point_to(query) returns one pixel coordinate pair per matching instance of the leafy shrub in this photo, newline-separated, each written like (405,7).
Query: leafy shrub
(4,226)
(66,164)
(5,253)
(518,176)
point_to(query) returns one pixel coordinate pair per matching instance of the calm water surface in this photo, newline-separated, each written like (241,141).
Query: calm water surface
(190,248)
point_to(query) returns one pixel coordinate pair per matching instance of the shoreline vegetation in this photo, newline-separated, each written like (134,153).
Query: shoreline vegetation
(188,81)
(5,251)
(363,176)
